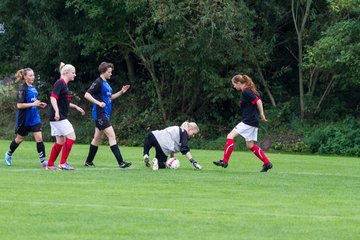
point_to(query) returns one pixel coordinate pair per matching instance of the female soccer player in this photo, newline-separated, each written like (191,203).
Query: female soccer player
(61,128)
(27,118)
(101,95)
(251,106)
(169,141)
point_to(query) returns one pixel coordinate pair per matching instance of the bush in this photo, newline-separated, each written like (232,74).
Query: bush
(341,139)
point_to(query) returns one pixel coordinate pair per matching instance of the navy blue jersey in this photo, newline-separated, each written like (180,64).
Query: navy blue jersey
(62,94)
(27,116)
(101,91)
(250,112)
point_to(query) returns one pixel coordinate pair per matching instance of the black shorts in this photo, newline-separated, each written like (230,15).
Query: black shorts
(24,130)
(102,123)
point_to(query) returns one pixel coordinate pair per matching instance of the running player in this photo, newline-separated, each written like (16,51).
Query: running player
(251,106)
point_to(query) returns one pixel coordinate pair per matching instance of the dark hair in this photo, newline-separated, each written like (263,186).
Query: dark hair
(104,66)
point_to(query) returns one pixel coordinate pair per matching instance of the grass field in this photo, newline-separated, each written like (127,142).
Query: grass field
(302,197)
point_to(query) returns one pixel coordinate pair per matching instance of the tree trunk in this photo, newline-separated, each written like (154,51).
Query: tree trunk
(299,23)
(325,94)
(130,67)
(267,90)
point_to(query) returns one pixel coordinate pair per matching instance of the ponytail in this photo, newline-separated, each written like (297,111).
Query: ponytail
(245,79)
(20,74)
(64,68)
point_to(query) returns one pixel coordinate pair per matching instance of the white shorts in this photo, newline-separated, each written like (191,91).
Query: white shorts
(61,128)
(247,131)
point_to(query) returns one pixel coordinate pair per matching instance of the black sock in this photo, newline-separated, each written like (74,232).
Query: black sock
(41,150)
(92,152)
(116,151)
(13,147)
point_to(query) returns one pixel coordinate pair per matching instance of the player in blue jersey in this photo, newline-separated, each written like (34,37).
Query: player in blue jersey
(27,118)
(252,108)
(101,95)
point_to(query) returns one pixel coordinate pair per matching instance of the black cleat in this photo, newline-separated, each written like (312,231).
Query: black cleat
(89,164)
(124,164)
(147,163)
(220,163)
(266,167)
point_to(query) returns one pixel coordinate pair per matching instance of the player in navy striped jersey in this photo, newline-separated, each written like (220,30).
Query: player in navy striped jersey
(169,141)
(61,127)
(252,108)
(27,118)
(101,95)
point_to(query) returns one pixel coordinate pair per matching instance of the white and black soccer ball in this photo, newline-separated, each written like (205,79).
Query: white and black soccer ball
(173,163)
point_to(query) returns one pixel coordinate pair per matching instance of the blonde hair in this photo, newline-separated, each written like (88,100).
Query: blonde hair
(20,74)
(190,125)
(64,68)
(245,79)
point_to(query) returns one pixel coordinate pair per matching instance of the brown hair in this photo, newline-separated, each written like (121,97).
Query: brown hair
(104,66)
(20,74)
(245,79)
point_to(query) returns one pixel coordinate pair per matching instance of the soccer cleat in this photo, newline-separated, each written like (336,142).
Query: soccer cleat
(221,163)
(52,168)
(7,159)
(43,164)
(146,160)
(155,166)
(89,164)
(266,167)
(124,164)
(66,166)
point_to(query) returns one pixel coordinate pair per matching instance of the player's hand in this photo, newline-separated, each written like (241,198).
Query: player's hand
(57,116)
(81,110)
(124,89)
(43,105)
(195,164)
(263,118)
(102,104)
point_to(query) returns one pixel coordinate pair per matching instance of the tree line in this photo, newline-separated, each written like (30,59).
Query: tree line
(179,55)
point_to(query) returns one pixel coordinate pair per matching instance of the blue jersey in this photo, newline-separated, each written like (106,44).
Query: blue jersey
(27,116)
(101,91)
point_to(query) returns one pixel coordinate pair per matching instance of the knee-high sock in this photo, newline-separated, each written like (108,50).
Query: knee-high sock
(116,151)
(92,152)
(41,150)
(66,150)
(260,154)
(55,150)
(229,147)
(13,147)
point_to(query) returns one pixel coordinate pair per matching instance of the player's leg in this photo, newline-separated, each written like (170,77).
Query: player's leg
(109,132)
(20,136)
(228,149)
(94,145)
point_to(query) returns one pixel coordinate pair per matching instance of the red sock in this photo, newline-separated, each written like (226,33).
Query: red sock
(260,154)
(229,147)
(66,150)
(55,150)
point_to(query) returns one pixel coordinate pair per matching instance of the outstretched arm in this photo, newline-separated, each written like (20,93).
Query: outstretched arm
(77,108)
(122,91)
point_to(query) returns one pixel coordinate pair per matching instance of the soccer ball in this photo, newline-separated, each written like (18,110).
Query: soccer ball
(173,163)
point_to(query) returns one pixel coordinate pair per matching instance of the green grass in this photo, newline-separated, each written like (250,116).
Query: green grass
(302,197)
